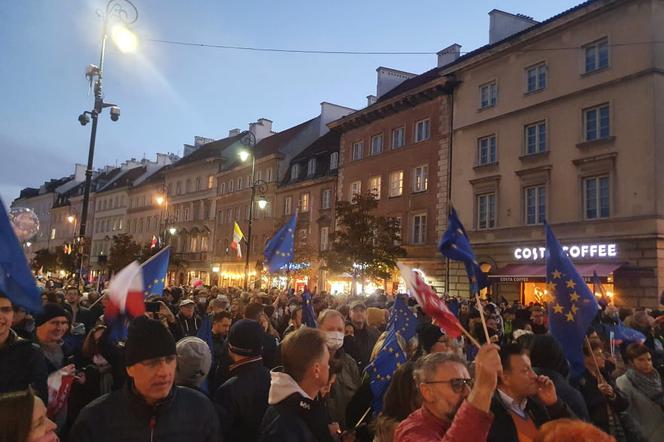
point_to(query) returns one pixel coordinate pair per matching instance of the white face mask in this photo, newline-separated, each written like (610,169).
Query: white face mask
(335,339)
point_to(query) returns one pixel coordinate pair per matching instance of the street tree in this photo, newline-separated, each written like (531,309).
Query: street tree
(46,260)
(124,250)
(364,244)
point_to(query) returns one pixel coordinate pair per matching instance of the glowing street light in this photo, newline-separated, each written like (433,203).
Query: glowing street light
(262,202)
(172,230)
(244,155)
(124,38)
(160,200)
(71,219)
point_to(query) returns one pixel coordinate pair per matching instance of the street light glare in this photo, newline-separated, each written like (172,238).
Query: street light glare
(160,200)
(70,219)
(262,203)
(172,230)
(124,38)
(243,155)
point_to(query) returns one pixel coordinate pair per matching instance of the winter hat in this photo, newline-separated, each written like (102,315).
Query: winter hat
(428,335)
(194,361)
(245,338)
(49,312)
(148,339)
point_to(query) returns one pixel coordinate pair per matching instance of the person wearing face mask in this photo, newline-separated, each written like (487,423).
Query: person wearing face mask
(348,380)
(242,400)
(23,418)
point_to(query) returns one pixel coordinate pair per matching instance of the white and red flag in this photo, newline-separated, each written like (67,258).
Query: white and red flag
(126,293)
(431,304)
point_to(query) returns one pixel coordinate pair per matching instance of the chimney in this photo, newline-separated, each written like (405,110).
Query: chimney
(503,24)
(261,128)
(389,78)
(234,132)
(371,99)
(330,112)
(79,173)
(449,54)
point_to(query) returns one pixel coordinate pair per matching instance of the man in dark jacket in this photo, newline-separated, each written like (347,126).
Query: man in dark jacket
(149,407)
(359,345)
(242,400)
(523,401)
(22,363)
(295,414)
(187,321)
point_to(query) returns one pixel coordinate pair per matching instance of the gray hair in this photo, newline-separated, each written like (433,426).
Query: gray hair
(329,313)
(426,366)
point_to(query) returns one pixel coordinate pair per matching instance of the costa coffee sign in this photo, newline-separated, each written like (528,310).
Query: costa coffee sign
(577,251)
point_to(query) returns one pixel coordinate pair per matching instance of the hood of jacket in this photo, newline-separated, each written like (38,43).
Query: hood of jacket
(282,386)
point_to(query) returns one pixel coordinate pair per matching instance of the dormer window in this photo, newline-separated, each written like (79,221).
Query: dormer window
(311,167)
(295,172)
(334,160)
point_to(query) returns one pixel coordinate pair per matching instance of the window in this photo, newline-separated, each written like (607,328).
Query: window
(204,243)
(324,238)
(374,186)
(170,188)
(398,137)
(246,213)
(334,160)
(52,233)
(422,130)
(268,175)
(178,188)
(311,167)
(396,183)
(486,211)
(188,186)
(421,178)
(488,95)
(596,197)
(198,183)
(535,138)
(222,188)
(377,144)
(597,55)
(535,204)
(237,214)
(397,221)
(230,185)
(304,202)
(536,77)
(355,188)
(220,217)
(239,184)
(229,215)
(326,199)
(303,236)
(597,122)
(357,151)
(295,171)
(185,213)
(210,181)
(288,205)
(259,176)
(419,229)
(486,150)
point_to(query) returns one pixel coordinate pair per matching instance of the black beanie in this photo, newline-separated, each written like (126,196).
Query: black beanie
(245,338)
(148,339)
(49,312)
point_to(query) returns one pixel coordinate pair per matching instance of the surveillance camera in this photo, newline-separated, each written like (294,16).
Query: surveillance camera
(83,119)
(115,113)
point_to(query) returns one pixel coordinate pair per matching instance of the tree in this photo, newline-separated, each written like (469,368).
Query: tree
(123,251)
(303,256)
(45,259)
(364,244)
(66,259)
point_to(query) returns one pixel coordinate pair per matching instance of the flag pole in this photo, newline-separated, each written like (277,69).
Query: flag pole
(599,373)
(466,333)
(481,309)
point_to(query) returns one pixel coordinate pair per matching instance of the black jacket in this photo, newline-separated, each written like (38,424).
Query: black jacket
(597,402)
(242,400)
(186,327)
(359,345)
(291,417)
(22,363)
(503,429)
(186,415)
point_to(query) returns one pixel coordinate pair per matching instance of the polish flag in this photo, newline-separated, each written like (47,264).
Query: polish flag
(126,293)
(431,304)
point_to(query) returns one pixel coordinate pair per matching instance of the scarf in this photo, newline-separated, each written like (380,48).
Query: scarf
(650,385)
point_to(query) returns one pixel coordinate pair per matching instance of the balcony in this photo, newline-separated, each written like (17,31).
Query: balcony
(193,257)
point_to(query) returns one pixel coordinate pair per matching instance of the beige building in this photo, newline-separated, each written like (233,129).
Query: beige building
(562,122)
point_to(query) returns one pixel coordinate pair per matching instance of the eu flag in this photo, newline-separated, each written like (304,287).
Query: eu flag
(154,272)
(456,246)
(16,280)
(573,306)
(402,320)
(308,314)
(390,357)
(279,250)
(604,300)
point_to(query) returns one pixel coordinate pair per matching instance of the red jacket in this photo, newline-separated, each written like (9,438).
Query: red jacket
(469,425)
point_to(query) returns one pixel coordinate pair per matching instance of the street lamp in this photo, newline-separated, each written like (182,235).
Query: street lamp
(121,13)
(172,230)
(260,186)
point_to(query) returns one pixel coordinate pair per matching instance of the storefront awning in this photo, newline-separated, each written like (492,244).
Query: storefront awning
(537,272)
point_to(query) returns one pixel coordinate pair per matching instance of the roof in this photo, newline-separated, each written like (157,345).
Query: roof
(320,149)
(411,83)
(328,143)
(126,179)
(208,150)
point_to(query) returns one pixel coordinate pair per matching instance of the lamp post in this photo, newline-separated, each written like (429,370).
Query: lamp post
(260,186)
(121,13)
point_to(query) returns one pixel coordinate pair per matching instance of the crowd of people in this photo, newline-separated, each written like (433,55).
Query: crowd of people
(213,364)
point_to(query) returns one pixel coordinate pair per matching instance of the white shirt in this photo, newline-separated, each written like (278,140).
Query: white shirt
(518,408)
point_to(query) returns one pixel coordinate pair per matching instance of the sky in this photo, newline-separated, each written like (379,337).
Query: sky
(169,93)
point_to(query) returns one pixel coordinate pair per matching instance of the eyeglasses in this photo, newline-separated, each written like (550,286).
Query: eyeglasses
(154,363)
(456,384)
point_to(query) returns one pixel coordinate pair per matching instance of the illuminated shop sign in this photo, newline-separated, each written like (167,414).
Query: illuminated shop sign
(574,251)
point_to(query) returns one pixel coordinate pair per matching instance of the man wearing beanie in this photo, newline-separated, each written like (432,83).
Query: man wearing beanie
(51,326)
(149,407)
(242,399)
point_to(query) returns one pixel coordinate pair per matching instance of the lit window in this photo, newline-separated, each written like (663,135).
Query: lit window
(355,188)
(421,178)
(210,181)
(396,183)
(324,238)
(288,205)
(374,186)
(304,202)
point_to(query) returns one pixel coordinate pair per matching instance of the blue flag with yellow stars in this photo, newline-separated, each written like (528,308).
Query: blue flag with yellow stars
(154,272)
(280,249)
(308,313)
(390,357)
(573,306)
(16,280)
(402,319)
(456,246)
